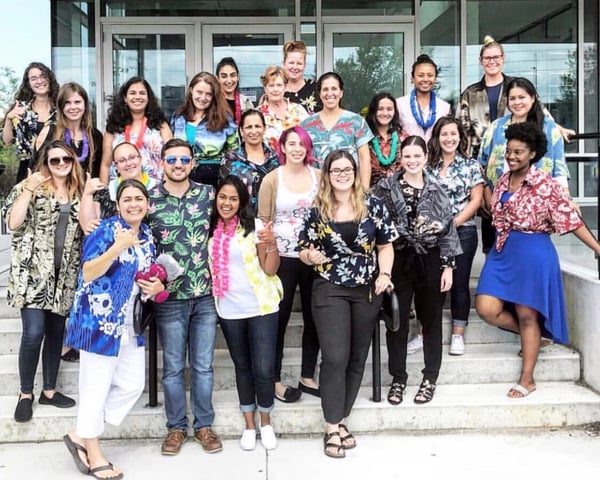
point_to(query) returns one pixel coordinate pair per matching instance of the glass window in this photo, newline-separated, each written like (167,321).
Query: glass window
(440,37)
(73,44)
(308,34)
(367,7)
(590,72)
(186,8)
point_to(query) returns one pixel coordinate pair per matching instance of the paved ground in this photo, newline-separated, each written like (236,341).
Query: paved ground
(530,454)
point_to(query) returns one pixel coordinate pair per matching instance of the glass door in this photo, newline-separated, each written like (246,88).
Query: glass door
(371,58)
(253,47)
(163,55)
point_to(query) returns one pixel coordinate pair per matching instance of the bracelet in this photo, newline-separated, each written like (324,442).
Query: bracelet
(29,189)
(386,274)
(271,250)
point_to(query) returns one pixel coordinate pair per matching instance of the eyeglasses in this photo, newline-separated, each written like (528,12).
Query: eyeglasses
(336,172)
(42,76)
(124,160)
(495,58)
(55,161)
(184,159)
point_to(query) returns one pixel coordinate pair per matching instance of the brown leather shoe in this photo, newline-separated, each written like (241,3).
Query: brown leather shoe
(173,442)
(210,441)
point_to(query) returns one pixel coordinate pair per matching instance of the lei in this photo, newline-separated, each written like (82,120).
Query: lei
(139,141)
(238,108)
(418,114)
(85,151)
(220,254)
(380,156)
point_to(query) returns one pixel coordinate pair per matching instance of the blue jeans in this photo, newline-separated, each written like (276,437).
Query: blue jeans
(40,325)
(460,294)
(187,325)
(252,343)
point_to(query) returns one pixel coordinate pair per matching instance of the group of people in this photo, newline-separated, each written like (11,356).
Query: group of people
(255,204)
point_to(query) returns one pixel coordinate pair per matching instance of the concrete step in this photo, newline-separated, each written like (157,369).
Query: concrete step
(483,363)
(465,407)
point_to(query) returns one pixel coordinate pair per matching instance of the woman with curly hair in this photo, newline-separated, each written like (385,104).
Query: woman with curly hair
(135,117)
(520,286)
(205,122)
(29,118)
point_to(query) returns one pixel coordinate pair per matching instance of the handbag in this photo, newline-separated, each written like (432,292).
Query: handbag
(143,313)
(390,310)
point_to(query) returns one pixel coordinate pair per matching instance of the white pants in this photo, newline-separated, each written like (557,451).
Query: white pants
(109,387)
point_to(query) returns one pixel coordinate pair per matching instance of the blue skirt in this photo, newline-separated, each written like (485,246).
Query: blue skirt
(527,272)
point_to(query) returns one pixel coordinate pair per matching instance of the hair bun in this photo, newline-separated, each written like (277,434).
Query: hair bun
(424,58)
(487,40)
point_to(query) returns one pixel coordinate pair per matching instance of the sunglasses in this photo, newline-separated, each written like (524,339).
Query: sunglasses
(184,159)
(55,161)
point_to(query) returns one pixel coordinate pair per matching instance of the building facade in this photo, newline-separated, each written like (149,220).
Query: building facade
(371,43)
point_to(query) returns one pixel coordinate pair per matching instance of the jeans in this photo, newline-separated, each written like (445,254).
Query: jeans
(418,276)
(187,325)
(251,342)
(40,325)
(345,319)
(460,294)
(293,273)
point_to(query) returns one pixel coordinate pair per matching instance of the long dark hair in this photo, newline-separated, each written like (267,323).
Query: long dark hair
(245,212)
(536,114)
(217,113)
(372,113)
(25,93)
(119,115)
(434,148)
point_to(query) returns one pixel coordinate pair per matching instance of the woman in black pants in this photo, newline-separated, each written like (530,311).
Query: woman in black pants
(347,239)
(423,263)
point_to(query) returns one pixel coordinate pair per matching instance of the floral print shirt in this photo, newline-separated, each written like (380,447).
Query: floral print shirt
(540,205)
(355,264)
(493,149)
(378,169)
(294,114)
(181,228)
(27,129)
(100,308)
(461,176)
(33,281)
(237,163)
(307,96)
(350,132)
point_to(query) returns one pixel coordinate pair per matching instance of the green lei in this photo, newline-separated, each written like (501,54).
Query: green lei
(380,156)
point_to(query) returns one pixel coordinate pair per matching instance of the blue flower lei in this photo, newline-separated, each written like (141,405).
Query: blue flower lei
(418,114)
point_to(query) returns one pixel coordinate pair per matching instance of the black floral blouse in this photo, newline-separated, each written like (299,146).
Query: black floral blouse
(350,265)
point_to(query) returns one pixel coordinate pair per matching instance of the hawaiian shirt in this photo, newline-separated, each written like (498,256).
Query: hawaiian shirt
(307,96)
(209,147)
(378,169)
(27,129)
(294,114)
(349,265)
(461,176)
(33,281)
(236,163)
(540,205)
(150,151)
(349,132)
(181,228)
(100,308)
(493,149)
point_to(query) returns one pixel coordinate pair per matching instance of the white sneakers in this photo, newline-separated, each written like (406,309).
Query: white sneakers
(457,345)
(267,438)
(415,345)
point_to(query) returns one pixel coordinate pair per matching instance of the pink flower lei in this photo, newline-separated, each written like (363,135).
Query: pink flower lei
(238,107)
(220,254)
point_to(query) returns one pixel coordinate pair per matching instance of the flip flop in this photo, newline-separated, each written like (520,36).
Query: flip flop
(517,387)
(74,449)
(103,468)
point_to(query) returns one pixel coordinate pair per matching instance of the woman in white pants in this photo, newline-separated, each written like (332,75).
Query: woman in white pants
(101,326)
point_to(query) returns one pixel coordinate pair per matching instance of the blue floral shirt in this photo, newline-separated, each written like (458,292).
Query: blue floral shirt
(349,265)
(237,163)
(97,320)
(461,176)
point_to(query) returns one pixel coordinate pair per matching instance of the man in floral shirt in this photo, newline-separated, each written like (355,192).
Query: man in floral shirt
(179,215)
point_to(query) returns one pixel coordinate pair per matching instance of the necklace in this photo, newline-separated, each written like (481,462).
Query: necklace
(220,254)
(85,150)
(139,141)
(418,114)
(380,156)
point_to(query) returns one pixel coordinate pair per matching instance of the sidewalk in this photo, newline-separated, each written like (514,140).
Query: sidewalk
(497,455)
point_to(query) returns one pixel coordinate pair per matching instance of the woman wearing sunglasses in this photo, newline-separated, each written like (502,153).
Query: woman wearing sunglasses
(42,213)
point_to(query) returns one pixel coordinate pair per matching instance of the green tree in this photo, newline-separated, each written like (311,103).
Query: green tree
(9,83)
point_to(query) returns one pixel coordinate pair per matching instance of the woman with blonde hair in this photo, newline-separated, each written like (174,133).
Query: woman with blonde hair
(42,212)
(205,122)
(299,89)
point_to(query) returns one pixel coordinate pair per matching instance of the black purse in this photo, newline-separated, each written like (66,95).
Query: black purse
(143,313)
(390,311)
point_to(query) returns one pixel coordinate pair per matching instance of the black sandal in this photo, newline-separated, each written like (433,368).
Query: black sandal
(425,393)
(339,452)
(396,393)
(348,440)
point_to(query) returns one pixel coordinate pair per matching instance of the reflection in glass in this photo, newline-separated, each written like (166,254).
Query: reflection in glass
(368,63)
(371,7)
(187,8)
(160,59)
(591,72)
